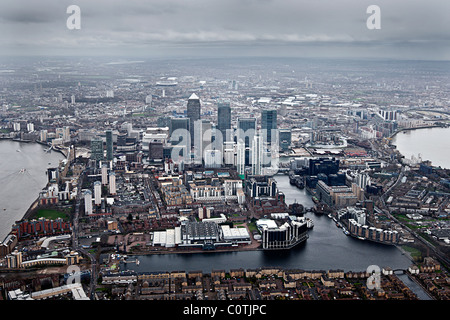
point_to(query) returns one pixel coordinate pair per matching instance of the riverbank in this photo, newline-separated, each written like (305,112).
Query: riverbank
(417,128)
(193,251)
(428,143)
(20,188)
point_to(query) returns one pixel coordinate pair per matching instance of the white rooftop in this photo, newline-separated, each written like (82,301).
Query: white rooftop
(193,97)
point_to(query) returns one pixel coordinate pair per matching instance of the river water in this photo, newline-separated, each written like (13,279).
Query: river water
(326,248)
(431,143)
(19,189)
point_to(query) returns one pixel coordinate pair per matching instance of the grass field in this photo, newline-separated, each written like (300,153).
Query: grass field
(50,214)
(415,253)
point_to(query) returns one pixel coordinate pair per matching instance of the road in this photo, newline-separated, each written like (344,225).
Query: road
(75,241)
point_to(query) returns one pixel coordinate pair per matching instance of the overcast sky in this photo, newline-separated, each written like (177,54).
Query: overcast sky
(411,29)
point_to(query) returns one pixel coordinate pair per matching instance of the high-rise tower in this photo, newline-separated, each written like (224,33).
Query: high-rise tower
(246,129)
(97,149)
(268,123)
(224,118)
(193,113)
(109,145)
(257,155)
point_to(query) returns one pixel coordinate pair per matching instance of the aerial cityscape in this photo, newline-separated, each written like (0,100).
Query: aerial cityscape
(133,177)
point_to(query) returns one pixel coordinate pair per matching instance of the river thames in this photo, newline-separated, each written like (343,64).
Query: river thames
(432,144)
(22,175)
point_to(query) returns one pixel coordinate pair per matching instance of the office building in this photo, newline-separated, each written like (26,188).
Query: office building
(224,119)
(109,145)
(202,139)
(257,155)
(193,113)
(246,129)
(97,149)
(285,137)
(180,136)
(326,166)
(213,158)
(261,187)
(282,233)
(269,125)
(240,161)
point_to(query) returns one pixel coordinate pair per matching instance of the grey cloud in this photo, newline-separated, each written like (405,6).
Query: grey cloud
(235,24)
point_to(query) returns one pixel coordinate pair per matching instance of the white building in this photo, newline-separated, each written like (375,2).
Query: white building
(154,135)
(112,183)
(213,159)
(97,193)
(235,234)
(229,152)
(43,135)
(104,174)
(363,180)
(257,155)
(240,159)
(231,189)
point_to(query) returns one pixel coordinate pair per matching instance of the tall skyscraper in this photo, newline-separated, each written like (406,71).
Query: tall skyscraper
(193,113)
(257,155)
(224,118)
(97,193)
(285,138)
(268,122)
(104,174)
(203,135)
(109,145)
(246,129)
(112,183)
(240,161)
(97,149)
(88,202)
(179,136)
